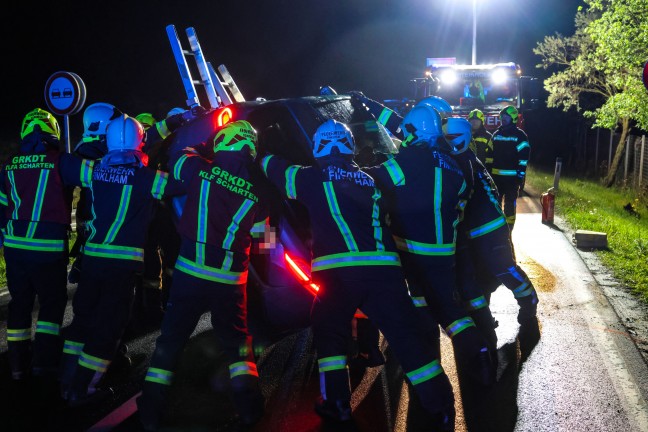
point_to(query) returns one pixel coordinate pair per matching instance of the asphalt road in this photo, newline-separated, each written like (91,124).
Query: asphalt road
(581,371)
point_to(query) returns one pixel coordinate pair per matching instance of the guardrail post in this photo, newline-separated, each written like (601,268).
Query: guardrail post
(557,173)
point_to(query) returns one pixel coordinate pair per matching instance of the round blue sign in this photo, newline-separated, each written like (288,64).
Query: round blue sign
(65,93)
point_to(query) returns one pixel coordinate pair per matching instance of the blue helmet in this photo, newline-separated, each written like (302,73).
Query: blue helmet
(332,137)
(438,104)
(458,134)
(421,126)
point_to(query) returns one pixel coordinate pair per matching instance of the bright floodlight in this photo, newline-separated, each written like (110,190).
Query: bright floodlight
(499,76)
(448,77)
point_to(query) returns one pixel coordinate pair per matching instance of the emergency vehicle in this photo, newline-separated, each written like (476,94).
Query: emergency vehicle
(488,87)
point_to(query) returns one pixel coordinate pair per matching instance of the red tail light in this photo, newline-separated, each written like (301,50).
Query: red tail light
(224,117)
(301,275)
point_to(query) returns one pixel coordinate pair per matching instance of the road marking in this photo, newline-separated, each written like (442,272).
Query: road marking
(117,416)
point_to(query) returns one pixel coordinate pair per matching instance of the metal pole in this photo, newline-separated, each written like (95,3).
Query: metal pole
(474,41)
(66,133)
(627,160)
(609,161)
(596,151)
(557,173)
(641,164)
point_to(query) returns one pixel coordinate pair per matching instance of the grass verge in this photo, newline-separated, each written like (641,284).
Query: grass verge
(585,204)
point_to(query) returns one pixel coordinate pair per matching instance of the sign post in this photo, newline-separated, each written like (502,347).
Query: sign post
(65,94)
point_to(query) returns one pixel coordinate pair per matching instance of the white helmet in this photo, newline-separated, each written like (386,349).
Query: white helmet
(96,118)
(457,131)
(421,126)
(332,137)
(124,133)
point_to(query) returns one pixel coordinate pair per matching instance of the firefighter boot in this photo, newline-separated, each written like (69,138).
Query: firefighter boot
(85,389)
(528,308)
(368,342)
(151,405)
(247,398)
(334,410)
(67,370)
(473,356)
(19,359)
(444,420)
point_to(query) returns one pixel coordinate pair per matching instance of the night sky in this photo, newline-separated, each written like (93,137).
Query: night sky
(273,48)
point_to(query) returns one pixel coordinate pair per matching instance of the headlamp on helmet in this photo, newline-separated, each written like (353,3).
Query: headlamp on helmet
(237,136)
(42,119)
(333,137)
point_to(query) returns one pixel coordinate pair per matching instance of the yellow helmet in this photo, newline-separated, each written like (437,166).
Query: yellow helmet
(236,136)
(146,119)
(43,119)
(476,114)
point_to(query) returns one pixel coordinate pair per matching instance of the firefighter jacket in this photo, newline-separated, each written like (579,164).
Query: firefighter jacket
(510,154)
(481,145)
(122,207)
(426,192)
(221,215)
(36,192)
(345,212)
(482,213)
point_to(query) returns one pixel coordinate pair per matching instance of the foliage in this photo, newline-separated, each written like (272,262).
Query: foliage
(604,57)
(590,206)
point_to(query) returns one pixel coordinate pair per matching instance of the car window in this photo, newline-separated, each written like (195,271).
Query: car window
(372,140)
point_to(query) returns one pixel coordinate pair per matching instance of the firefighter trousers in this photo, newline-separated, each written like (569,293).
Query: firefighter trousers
(190,297)
(380,292)
(432,280)
(102,308)
(29,278)
(509,190)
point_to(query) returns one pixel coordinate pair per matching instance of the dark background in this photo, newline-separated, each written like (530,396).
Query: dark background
(273,48)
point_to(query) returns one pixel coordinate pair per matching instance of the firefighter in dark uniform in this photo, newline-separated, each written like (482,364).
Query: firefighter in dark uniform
(481,139)
(163,241)
(356,264)
(123,194)
(484,242)
(92,146)
(35,190)
(221,212)
(426,192)
(510,156)
(483,222)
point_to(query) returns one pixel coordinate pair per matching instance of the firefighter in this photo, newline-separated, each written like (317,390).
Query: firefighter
(221,214)
(92,146)
(356,265)
(123,193)
(510,156)
(489,245)
(423,183)
(481,144)
(484,223)
(35,223)
(162,241)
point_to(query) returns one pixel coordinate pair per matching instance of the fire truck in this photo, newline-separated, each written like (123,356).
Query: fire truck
(488,87)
